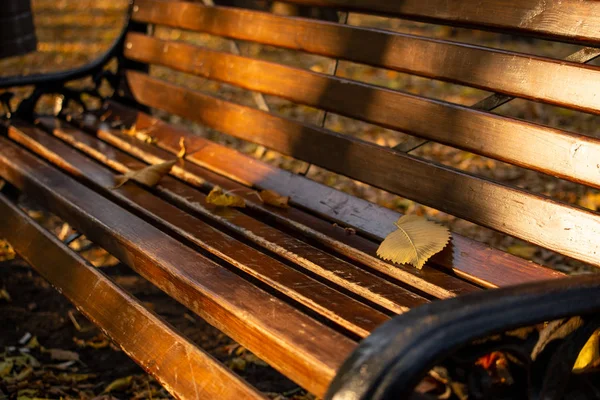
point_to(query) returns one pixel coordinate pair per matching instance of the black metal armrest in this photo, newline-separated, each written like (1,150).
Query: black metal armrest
(395,357)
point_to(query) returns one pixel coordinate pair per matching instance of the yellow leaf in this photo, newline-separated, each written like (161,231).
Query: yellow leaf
(522,251)
(182,148)
(590,353)
(148,176)
(273,198)
(218,198)
(5,368)
(415,241)
(119,384)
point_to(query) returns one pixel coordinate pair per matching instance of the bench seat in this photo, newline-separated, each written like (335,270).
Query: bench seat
(302,287)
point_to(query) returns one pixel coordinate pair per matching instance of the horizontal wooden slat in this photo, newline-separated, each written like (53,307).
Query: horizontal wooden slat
(569,230)
(537,147)
(510,73)
(570,20)
(186,371)
(341,309)
(429,280)
(468,258)
(301,348)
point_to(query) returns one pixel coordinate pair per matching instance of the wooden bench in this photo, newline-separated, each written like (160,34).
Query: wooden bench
(291,285)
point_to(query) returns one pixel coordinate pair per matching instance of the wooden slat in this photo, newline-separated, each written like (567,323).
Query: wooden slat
(186,371)
(552,151)
(569,20)
(339,308)
(428,280)
(510,73)
(468,258)
(568,230)
(298,346)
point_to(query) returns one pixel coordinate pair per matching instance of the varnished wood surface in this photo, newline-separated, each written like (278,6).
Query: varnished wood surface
(186,371)
(568,230)
(428,280)
(570,20)
(466,257)
(343,310)
(511,73)
(552,151)
(298,346)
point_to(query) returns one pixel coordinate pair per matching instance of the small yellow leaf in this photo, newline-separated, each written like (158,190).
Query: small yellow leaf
(148,176)
(218,198)
(273,198)
(522,251)
(415,241)
(119,384)
(182,149)
(590,353)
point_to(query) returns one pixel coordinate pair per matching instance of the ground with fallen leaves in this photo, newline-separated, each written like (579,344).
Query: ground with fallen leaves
(48,350)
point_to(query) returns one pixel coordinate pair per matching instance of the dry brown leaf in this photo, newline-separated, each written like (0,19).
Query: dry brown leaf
(273,198)
(558,329)
(148,176)
(63,355)
(182,149)
(415,241)
(219,198)
(141,134)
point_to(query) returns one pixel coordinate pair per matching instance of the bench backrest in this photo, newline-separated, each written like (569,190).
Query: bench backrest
(559,226)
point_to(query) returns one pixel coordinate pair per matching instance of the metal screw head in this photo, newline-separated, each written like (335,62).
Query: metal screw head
(129,45)
(136,8)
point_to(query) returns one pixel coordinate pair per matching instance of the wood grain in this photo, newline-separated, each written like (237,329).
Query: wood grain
(341,309)
(568,20)
(552,151)
(186,371)
(510,73)
(468,258)
(540,220)
(298,346)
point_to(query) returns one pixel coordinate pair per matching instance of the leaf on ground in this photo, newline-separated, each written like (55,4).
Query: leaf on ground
(5,368)
(273,198)
(63,355)
(182,149)
(590,353)
(4,295)
(219,198)
(523,251)
(558,329)
(148,176)
(119,384)
(7,253)
(415,241)
(33,343)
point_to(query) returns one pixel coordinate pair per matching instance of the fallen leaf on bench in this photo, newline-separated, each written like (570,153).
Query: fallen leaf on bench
(148,176)
(182,148)
(219,198)
(590,353)
(273,198)
(415,241)
(141,134)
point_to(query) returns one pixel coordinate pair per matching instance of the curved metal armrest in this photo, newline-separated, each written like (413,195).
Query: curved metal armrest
(76,73)
(396,356)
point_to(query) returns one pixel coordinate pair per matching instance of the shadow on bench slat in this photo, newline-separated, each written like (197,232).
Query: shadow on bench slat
(293,343)
(180,366)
